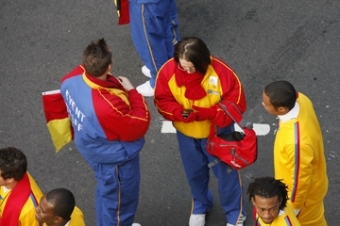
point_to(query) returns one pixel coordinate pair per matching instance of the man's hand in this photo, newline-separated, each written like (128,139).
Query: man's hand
(125,83)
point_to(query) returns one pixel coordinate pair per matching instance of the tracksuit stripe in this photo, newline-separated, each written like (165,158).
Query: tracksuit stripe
(297,160)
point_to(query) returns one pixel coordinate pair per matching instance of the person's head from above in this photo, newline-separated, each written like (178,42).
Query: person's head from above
(97,58)
(13,166)
(55,207)
(268,196)
(191,55)
(279,97)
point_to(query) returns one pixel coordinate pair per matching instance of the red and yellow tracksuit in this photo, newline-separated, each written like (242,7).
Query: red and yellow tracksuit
(220,84)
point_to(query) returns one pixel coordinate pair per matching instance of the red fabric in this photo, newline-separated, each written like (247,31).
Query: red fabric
(192,83)
(234,95)
(205,113)
(110,107)
(124,16)
(254,216)
(15,202)
(54,106)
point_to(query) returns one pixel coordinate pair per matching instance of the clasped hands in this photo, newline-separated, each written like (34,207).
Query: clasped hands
(196,114)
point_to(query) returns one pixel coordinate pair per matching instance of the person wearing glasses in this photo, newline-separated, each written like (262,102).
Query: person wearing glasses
(188,89)
(270,199)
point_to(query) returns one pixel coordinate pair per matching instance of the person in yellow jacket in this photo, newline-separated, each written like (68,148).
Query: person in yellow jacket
(299,158)
(58,208)
(19,193)
(269,197)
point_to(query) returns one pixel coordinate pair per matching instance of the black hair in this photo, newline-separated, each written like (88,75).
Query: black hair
(97,57)
(268,187)
(193,50)
(63,202)
(13,163)
(281,94)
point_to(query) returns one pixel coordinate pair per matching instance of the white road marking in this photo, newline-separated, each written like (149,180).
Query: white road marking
(260,129)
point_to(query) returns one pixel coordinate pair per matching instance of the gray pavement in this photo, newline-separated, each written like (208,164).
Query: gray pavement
(262,40)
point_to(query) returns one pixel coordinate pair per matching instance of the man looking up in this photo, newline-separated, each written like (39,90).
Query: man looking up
(269,197)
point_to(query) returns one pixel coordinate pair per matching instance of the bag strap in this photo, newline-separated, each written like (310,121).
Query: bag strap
(236,118)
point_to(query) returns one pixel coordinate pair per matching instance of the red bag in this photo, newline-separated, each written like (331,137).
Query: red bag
(237,149)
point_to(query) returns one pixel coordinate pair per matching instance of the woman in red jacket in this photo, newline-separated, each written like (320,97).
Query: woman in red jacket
(188,89)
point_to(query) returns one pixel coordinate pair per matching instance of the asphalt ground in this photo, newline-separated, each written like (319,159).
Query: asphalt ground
(262,40)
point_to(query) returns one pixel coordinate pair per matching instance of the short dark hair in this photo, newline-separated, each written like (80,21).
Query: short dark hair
(97,57)
(194,50)
(268,187)
(63,202)
(281,94)
(13,163)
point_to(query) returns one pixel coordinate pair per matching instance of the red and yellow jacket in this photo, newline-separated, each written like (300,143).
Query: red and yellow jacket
(221,85)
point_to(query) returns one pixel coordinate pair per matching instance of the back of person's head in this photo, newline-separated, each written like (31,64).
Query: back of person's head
(13,163)
(63,202)
(97,57)
(281,94)
(268,187)
(194,50)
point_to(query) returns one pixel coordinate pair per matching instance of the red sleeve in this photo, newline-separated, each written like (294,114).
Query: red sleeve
(232,91)
(164,100)
(121,120)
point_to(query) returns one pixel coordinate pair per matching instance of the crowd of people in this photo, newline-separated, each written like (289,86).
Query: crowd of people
(187,83)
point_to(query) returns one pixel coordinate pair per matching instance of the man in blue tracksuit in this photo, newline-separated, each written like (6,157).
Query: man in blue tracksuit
(154,31)
(103,109)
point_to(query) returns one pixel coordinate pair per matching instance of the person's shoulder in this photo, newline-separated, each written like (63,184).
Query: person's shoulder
(77,217)
(35,187)
(219,64)
(78,70)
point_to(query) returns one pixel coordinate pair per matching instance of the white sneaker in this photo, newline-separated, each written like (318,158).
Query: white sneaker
(145,89)
(197,220)
(240,221)
(146,71)
(136,224)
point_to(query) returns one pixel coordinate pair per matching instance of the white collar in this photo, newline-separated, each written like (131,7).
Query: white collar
(292,114)
(67,223)
(281,212)
(6,189)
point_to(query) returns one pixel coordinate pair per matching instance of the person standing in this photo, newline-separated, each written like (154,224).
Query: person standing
(154,32)
(58,208)
(109,119)
(299,158)
(19,193)
(187,92)
(269,198)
